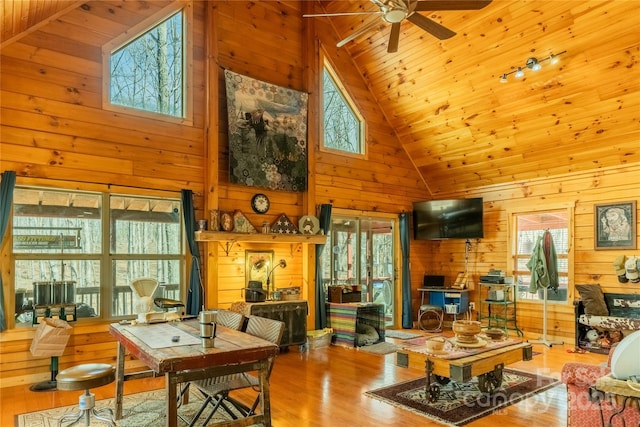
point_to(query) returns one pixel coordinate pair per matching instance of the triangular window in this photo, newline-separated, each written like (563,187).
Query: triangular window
(343,126)
(147,72)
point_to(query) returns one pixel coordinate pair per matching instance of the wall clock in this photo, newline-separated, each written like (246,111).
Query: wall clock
(260,203)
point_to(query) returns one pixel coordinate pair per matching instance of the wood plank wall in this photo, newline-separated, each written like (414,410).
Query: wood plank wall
(54,132)
(591,266)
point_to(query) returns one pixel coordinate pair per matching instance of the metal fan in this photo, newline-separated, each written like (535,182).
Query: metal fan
(396,11)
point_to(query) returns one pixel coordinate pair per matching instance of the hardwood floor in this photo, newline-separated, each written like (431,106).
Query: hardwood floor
(325,387)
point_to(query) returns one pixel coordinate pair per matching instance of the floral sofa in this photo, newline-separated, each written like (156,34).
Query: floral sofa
(581,412)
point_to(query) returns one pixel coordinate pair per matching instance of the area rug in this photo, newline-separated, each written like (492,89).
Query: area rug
(380,348)
(146,409)
(461,403)
(393,333)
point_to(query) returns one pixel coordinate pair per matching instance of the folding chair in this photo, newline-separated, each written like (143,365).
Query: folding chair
(227,318)
(216,390)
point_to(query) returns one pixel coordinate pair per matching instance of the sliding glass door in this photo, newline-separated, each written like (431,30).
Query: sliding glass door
(360,251)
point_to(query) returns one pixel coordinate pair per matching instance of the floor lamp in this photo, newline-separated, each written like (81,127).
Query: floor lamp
(543,339)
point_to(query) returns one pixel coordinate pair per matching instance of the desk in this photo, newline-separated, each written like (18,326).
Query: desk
(343,318)
(234,352)
(453,301)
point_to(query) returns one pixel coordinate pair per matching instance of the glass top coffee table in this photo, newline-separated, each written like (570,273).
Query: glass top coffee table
(458,362)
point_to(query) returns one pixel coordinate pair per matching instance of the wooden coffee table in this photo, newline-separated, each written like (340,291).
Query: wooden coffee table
(462,364)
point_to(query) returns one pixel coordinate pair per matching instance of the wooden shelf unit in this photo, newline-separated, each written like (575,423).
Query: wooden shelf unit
(231,238)
(222,236)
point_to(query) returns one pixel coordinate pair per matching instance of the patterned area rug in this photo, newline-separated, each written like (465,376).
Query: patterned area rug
(394,333)
(380,348)
(461,403)
(146,409)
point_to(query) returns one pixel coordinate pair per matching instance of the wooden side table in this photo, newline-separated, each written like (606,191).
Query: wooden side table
(618,393)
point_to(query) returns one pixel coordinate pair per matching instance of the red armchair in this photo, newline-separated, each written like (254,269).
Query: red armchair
(581,412)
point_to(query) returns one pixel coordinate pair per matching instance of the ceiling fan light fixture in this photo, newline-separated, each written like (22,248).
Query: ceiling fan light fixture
(395,15)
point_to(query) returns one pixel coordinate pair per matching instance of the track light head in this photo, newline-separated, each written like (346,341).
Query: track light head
(532,64)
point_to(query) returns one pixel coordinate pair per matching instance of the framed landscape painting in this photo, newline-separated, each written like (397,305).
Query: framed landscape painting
(615,225)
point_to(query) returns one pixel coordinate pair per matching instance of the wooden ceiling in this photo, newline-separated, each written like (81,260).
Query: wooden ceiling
(462,128)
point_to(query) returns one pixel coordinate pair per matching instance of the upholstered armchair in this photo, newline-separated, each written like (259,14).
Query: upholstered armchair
(581,412)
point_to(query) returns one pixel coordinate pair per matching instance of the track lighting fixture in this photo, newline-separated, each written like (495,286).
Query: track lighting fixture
(532,64)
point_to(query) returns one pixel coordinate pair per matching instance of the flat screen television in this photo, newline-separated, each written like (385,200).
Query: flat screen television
(448,219)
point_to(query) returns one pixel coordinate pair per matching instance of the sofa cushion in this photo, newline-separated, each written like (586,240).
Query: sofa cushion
(593,300)
(610,323)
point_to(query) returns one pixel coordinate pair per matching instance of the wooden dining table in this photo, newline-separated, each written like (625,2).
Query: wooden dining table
(175,350)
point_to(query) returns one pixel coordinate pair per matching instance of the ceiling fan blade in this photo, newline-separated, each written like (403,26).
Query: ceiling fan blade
(394,38)
(341,14)
(430,26)
(433,5)
(358,32)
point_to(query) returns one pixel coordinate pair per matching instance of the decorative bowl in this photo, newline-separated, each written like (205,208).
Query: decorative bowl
(466,327)
(435,344)
(495,334)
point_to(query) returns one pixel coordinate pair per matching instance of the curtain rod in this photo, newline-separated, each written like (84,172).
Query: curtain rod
(108,185)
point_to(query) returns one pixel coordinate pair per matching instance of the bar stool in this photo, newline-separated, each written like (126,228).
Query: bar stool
(85,377)
(433,315)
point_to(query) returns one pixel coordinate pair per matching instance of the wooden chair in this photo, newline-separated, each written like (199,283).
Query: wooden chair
(216,390)
(230,319)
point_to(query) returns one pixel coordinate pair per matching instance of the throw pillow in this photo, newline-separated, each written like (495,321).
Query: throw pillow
(593,300)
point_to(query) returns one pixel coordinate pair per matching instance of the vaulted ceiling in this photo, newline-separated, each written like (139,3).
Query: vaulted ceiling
(460,125)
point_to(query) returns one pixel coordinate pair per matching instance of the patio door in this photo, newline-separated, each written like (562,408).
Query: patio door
(361,251)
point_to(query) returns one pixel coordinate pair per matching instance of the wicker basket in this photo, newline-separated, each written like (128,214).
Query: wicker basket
(320,338)
(466,327)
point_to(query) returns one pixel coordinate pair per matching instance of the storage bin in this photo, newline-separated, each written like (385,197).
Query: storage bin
(319,338)
(451,308)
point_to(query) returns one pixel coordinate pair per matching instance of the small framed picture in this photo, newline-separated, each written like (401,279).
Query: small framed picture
(615,225)
(257,266)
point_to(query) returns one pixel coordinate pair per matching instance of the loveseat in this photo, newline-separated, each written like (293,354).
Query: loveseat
(581,411)
(610,315)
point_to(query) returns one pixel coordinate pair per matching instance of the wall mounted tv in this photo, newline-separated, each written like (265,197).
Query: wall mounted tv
(448,219)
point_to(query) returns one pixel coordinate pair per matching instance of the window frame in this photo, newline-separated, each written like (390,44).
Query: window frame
(360,262)
(105,257)
(524,209)
(186,8)
(344,91)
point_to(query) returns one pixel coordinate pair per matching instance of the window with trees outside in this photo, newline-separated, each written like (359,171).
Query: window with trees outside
(148,72)
(361,252)
(80,251)
(343,126)
(528,227)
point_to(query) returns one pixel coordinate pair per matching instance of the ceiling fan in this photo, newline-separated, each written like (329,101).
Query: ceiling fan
(396,11)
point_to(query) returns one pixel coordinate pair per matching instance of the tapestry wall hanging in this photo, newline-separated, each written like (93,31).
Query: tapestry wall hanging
(267,134)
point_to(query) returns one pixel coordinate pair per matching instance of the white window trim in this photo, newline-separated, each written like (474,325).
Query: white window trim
(181,5)
(326,63)
(525,208)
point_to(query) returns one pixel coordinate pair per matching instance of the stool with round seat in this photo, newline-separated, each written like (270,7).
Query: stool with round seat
(432,315)
(85,377)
